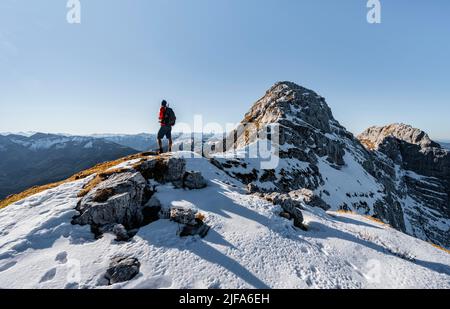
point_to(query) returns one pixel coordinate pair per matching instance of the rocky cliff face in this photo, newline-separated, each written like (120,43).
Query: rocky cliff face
(396,173)
(422,173)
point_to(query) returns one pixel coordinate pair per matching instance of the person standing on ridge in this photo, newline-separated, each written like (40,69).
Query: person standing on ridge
(167,120)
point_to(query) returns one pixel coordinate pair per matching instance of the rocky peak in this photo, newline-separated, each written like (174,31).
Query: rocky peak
(304,120)
(287,101)
(402,180)
(374,136)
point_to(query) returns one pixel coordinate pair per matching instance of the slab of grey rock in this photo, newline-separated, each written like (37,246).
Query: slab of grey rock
(122,269)
(289,205)
(123,207)
(194,180)
(309,198)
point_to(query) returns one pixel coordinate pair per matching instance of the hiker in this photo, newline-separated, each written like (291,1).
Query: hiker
(167,120)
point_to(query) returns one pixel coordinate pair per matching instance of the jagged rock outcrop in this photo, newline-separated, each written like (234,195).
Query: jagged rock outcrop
(194,180)
(121,200)
(309,197)
(291,207)
(423,172)
(411,148)
(118,199)
(122,269)
(388,174)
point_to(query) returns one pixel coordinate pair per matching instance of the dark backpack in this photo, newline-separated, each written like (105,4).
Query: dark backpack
(169,117)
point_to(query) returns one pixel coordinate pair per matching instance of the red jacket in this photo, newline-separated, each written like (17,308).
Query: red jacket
(162,113)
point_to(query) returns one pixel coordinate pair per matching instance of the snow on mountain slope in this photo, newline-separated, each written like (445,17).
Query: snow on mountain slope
(369,175)
(248,246)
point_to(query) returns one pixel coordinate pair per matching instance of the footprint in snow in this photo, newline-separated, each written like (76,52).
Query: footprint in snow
(309,282)
(49,275)
(61,257)
(7,266)
(71,286)
(313,269)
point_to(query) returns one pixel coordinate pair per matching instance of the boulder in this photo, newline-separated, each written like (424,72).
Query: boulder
(183,215)
(194,180)
(289,205)
(310,198)
(116,200)
(122,269)
(162,169)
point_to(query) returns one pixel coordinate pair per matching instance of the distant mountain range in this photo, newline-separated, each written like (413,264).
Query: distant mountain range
(31,158)
(140,142)
(331,210)
(445,145)
(43,158)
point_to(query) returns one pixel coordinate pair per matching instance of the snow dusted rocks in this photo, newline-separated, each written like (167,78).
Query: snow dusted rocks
(310,198)
(395,173)
(194,180)
(183,215)
(122,200)
(162,168)
(122,269)
(191,220)
(116,200)
(422,168)
(291,208)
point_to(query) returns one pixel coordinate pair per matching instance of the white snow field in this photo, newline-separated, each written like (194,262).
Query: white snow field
(248,246)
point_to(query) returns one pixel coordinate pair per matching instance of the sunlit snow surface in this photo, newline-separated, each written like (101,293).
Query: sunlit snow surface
(248,246)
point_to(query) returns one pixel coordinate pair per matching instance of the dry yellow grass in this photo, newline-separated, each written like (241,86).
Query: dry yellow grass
(97,169)
(101,176)
(342,211)
(376,220)
(440,248)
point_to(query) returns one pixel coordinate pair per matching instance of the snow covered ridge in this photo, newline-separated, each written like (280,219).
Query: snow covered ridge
(249,244)
(40,141)
(369,175)
(220,221)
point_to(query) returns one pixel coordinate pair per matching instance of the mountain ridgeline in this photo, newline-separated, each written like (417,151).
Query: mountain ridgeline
(43,158)
(395,173)
(329,206)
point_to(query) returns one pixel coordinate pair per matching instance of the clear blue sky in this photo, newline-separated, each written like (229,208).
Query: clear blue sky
(216,57)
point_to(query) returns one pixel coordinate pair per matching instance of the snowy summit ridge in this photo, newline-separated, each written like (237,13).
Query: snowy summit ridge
(405,183)
(332,214)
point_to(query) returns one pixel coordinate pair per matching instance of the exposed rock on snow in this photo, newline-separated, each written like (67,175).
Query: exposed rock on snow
(249,246)
(128,192)
(375,136)
(191,220)
(424,177)
(162,168)
(124,200)
(122,269)
(310,198)
(289,205)
(194,180)
(183,215)
(404,182)
(117,229)
(199,228)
